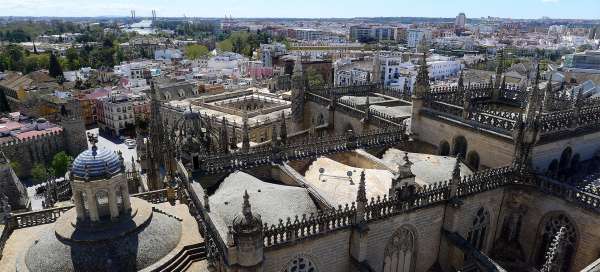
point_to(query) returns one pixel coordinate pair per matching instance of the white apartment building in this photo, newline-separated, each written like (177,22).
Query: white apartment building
(117,113)
(226,64)
(354,76)
(441,68)
(270,51)
(414,37)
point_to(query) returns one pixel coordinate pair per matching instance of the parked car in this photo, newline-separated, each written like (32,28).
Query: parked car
(130,143)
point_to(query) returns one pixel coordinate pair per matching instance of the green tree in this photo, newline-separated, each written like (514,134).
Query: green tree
(225,46)
(314,77)
(15,55)
(54,69)
(16,166)
(72,58)
(39,173)
(60,163)
(196,51)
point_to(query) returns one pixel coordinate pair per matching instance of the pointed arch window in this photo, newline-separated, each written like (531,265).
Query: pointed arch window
(399,252)
(479,229)
(548,230)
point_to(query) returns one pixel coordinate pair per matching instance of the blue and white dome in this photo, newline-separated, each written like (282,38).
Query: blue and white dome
(94,163)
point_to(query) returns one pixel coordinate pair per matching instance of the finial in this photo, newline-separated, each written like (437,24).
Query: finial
(406,159)
(361,196)
(456,170)
(246,209)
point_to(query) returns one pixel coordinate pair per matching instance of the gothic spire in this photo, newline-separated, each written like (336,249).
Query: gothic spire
(461,85)
(499,67)
(283,129)
(246,208)
(361,195)
(274,138)
(453,186)
(245,134)
(367,111)
(422,84)
(233,142)
(456,169)
(224,141)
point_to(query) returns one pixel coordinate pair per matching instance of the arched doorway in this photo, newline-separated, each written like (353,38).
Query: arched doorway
(460,147)
(444,148)
(473,160)
(399,251)
(547,230)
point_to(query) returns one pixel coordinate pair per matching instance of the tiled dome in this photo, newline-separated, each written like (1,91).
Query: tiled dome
(99,163)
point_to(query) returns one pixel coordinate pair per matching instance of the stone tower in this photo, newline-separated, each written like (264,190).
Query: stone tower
(11,186)
(74,127)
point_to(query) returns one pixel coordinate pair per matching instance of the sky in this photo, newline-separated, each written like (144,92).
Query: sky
(528,9)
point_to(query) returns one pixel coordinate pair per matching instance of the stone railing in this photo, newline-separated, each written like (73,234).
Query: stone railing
(35,218)
(300,228)
(448,108)
(354,90)
(586,200)
(308,148)
(492,120)
(559,124)
(305,226)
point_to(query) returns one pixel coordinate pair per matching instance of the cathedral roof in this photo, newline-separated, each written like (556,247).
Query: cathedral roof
(95,163)
(226,202)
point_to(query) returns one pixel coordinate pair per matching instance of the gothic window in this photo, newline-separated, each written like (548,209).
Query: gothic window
(548,229)
(444,148)
(399,252)
(478,232)
(575,162)
(320,120)
(460,147)
(565,159)
(300,264)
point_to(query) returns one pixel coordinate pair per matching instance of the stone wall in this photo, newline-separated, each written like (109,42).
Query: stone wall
(38,149)
(494,151)
(427,224)
(329,252)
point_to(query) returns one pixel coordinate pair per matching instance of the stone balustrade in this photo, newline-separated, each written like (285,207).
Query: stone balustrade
(310,148)
(307,226)
(35,218)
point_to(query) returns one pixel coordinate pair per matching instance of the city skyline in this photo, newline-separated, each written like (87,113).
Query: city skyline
(528,9)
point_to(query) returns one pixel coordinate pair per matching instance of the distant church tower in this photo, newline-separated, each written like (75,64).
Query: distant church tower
(74,127)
